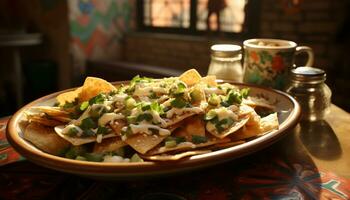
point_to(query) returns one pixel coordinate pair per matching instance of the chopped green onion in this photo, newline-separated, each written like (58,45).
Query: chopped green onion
(214,100)
(155,106)
(178,139)
(112,93)
(245,92)
(136,158)
(196,95)
(146,107)
(181,87)
(102,130)
(210,115)
(68,105)
(170,144)
(153,95)
(94,157)
(145,116)
(84,105)
(130,103)
(128,132)
(72,131)
(75,151)
(234,97)
(178,103)
(131,119)
(197,139)
(223,124)
(88,123)
(138,79)
(98,99)
(154,130)
(80,158)
(120,152)
(88,133)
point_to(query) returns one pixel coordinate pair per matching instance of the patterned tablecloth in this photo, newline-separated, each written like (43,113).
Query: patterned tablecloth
(269,174)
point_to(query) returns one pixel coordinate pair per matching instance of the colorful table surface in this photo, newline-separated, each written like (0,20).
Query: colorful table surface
(311,162)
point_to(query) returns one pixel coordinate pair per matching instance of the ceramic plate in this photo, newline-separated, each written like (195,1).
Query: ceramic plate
(288,115)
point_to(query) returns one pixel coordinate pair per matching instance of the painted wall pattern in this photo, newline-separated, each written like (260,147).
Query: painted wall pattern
(97,28)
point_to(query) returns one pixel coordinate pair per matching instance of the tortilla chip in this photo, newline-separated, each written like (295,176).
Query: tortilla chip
(233,129)
(195,125)
(269,122)
(52,111)
(68,96)
(245,110)
(143,142)
(76,141)
(45,138)
(43,120)
(117,126)
(185,146)
(258,102)
(177,119)
(266,125)
(108,145)
(176,156)
(190,77)
(94,86)
(210,80)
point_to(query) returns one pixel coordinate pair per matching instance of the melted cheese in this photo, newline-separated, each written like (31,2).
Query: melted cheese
(146,91)
(213,90)
(99,138)
(180,111)
(108,117)
(223,113)
(119,97)
(77,122)
(144,128)
(157,118)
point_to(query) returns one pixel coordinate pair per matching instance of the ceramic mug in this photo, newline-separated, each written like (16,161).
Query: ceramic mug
(268,61)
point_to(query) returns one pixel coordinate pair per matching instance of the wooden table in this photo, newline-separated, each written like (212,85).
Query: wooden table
(311,162)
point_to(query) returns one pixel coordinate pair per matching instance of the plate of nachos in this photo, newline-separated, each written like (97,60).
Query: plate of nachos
(146,127)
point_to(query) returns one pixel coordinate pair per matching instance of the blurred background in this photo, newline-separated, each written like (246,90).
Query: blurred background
(50,45)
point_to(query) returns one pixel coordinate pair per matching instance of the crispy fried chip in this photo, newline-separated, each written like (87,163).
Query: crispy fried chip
(266,125)
(37,118)
(52,111)
(210,80)
(185,146)
(269,122)
(195,125)
(176,156)
(178,118)
(68,96)
(258,102)
(231,130)
(45,138)
(190,77)
(76,141)
(143,142)
(94,86)
(108,145)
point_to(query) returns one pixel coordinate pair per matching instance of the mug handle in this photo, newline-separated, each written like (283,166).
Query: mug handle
(310,53)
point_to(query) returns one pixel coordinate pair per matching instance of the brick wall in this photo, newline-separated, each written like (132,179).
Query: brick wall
(174,51)
(314,23)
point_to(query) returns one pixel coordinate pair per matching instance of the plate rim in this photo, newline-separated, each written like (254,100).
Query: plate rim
(34,154)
